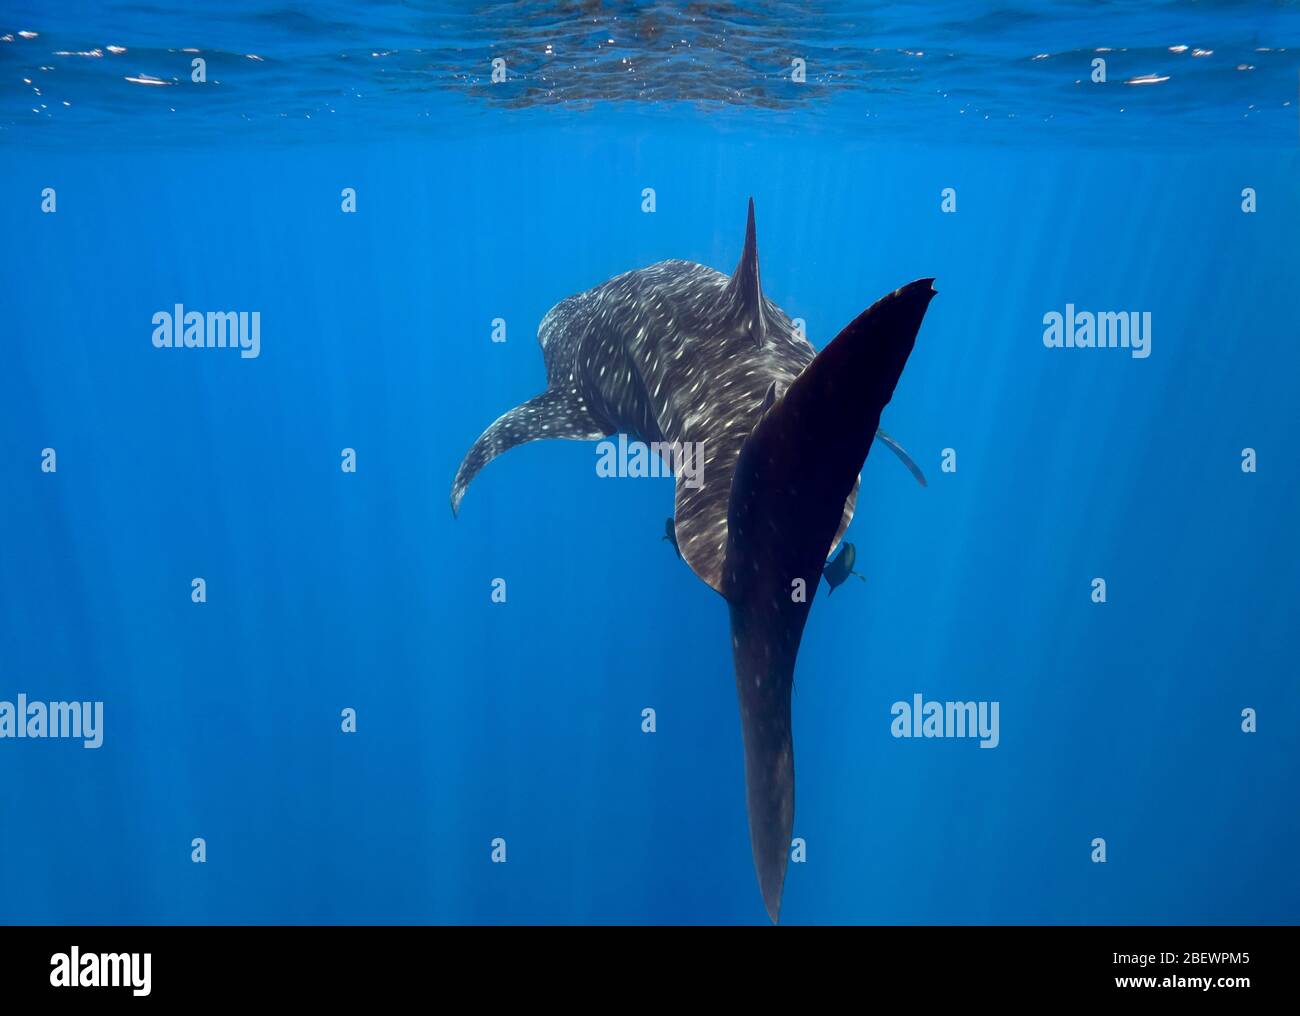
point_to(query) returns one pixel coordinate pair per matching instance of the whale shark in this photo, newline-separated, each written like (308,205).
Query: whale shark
(681,354)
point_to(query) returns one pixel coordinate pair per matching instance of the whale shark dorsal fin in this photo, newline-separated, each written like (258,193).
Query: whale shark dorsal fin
(745,291)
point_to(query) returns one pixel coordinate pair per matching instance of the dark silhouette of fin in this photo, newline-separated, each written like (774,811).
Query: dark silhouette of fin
(795,470)
(745,291)
(551,414)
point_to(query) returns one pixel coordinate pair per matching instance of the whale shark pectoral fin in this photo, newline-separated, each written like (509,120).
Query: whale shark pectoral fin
(745,291)
(901,452)
(554,413)
(795,471)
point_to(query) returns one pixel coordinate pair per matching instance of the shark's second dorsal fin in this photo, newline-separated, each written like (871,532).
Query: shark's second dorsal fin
(744,291)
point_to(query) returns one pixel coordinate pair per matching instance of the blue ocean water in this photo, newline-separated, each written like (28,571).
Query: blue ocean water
(329,590)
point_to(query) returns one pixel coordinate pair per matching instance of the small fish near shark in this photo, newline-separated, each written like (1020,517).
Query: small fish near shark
(679,352)
(838,570)
(670,534)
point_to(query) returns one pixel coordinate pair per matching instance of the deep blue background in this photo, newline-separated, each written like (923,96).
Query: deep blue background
(522,720)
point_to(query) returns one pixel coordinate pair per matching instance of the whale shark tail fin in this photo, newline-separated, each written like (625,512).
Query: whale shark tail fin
(745,291)
(551,414)
(795,471)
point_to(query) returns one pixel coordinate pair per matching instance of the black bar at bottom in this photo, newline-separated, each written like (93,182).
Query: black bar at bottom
(339,964)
